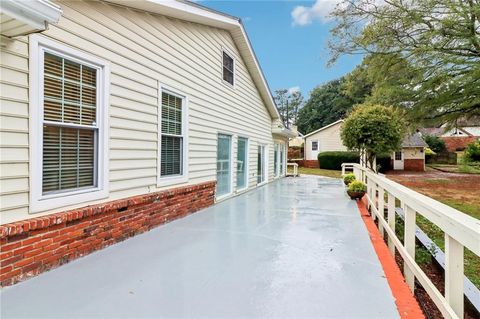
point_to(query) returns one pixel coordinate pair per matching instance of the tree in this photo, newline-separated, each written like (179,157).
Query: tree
(288,103)
(327,104)
(435,143)
(374,130)
(437,41)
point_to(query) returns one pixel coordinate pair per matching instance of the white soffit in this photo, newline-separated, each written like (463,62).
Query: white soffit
(193,12)
(21,17)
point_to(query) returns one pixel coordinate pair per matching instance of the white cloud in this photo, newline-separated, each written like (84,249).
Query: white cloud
(319,11)
(293,89)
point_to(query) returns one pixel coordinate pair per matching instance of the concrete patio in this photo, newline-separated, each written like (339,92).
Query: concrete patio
(293,248)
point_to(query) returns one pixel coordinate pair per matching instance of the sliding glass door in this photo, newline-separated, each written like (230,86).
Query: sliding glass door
(282,159)
(261,164)
(275,159)
(224,169)
(279,160)
(242,158)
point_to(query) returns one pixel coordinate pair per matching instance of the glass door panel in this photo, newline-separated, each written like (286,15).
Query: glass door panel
(224,169)
(242,157)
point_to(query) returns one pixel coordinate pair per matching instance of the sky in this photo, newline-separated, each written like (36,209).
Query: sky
(290,40)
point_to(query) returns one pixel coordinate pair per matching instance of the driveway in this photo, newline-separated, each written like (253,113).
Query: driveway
(293,248)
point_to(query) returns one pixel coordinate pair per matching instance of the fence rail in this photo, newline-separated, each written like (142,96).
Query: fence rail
(460,231)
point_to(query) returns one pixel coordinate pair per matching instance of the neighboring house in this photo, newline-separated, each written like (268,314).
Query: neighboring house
(124,115)
(296,141)
(324,139)
(456,138)
(412,155)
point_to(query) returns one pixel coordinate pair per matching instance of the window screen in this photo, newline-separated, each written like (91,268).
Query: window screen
(172,138)
(228,66)
(69,125)
(398,156)
(314,145)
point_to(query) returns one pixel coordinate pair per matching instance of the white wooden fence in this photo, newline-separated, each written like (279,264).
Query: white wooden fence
(460,231)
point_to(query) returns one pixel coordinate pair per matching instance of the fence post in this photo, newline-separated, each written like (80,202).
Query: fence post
(454,274)
(391,221)
(381,209)
(409,243)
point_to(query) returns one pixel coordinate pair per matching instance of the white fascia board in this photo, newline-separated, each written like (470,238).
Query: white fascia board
(323,128)
(35,13)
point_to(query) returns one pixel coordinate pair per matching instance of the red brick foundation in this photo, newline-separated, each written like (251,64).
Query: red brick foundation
(414,165)
(309,163)
(35,245)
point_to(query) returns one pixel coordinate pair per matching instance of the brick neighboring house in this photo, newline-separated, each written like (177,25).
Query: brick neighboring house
(412,155)
(457,138)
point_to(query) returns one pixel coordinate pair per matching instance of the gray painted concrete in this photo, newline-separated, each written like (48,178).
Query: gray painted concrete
(293,248)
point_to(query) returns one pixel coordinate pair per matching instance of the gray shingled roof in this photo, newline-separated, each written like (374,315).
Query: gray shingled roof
(414,140)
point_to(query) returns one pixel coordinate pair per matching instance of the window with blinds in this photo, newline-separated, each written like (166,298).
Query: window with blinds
(171,149)
(228,68)
(69,125)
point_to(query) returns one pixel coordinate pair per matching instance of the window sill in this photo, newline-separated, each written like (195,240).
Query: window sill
(43,203)
(173,180)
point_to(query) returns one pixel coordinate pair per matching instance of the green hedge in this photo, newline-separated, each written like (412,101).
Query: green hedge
(334,160)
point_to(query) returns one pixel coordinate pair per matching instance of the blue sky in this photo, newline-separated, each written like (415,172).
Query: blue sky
(289,39)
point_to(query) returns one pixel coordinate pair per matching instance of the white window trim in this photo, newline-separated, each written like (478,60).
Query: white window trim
(232,160)
(247,165)
(229,53)
(318,146)
(39,202)
(163,181)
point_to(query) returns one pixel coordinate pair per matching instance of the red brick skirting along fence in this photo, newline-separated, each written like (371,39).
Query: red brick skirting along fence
(35,245)
(308,163)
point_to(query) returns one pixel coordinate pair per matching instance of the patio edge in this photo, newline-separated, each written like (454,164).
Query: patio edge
(405,301)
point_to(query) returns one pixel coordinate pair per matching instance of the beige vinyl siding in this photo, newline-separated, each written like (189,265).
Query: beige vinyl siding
(328,140)
(143,49)
(14,127)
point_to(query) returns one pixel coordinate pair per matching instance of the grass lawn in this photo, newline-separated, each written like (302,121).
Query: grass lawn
(459,191)
(460,168)
(318,171)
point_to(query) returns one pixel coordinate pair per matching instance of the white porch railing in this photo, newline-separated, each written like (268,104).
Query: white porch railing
(460,231)
(347,167)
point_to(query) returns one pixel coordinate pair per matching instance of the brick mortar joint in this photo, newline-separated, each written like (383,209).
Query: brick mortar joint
(43,222)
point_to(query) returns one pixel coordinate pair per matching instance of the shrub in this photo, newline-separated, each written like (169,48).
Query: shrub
(357,186)
(348,178)
(435,143)
(334,160)
(428,152)
(472,152)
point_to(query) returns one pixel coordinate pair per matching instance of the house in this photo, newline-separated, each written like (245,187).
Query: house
(296,141)
(123,115)
(324,139)
(456,138)
(412,155)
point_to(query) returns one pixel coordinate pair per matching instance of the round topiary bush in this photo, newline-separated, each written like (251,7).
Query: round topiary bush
(348,178)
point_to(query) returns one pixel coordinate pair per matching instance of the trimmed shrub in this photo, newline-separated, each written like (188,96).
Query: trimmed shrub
(334,160)
(348,178)
(357,186)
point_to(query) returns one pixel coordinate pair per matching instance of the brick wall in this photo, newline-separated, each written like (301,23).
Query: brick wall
(308,163)
(414,165)
(35,245)
(460,142)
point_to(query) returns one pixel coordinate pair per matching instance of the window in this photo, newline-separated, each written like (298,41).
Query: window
(224,170)
(228,68)
(314,145)
(398,156)
(282,159)
(172,138)
(278,159)
(68,106)
(275,159)
(261,160)
(242,161)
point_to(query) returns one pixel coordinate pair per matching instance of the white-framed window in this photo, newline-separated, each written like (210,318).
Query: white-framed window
(69,92)
(242,163)
(172,137)
(228,67)
(314,145)
(398,156)
(224,165)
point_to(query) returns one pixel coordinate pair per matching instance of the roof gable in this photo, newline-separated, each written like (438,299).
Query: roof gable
(192,12)
(324,128)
